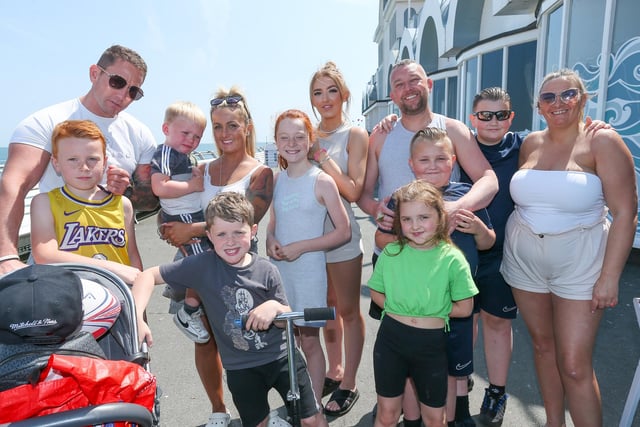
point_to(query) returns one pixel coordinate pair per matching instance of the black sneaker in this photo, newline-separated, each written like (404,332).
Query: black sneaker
(493,408)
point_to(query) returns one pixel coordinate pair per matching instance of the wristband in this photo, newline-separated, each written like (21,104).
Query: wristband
(321,162)
(9,258)
(317,154)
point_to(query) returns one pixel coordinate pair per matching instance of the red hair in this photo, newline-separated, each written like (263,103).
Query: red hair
(293,114)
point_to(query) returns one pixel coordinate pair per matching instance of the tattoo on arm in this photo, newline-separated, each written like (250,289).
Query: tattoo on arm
(143,198)
(260,193)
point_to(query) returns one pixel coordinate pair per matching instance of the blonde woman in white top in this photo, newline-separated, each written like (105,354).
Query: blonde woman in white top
(235,169)
(341,152)
(562,256)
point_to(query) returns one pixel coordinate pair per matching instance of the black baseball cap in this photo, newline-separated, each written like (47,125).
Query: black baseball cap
(40,304)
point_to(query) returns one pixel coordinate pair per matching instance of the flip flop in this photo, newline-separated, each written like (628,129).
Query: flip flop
(330,385)
(345,400)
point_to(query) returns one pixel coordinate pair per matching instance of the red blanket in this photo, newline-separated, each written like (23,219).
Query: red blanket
(72,382)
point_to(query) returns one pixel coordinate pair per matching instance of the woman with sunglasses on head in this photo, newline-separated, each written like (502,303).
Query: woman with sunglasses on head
(562,256)
(237,170)
(341,152)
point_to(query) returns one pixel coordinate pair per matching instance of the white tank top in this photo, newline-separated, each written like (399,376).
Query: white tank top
(552,202)
(211,190)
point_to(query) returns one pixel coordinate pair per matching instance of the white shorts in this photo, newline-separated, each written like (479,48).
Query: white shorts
(565,264)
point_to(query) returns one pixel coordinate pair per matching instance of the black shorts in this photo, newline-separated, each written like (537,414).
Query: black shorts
(495,295)
(250,389)
(402,351)
(460,346)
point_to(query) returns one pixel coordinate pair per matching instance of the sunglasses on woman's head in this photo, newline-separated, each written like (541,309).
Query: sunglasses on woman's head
(118,82)
(486,116)
(230,100)
(565,96)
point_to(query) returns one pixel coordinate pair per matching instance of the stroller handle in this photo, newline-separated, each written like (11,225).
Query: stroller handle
(91,415)
(309,315)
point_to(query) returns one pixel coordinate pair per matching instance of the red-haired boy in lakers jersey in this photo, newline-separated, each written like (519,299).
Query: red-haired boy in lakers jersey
(82,222)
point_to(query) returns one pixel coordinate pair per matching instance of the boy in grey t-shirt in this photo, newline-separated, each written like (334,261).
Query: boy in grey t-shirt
(233,282)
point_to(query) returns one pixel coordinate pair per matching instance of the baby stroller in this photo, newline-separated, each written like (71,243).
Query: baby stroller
(119,343)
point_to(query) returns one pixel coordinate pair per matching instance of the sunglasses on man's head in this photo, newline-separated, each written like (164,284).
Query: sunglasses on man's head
(230,100)
(486,116)
(565,96)
(118,82)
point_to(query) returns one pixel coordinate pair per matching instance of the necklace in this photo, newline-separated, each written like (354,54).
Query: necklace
(330,132)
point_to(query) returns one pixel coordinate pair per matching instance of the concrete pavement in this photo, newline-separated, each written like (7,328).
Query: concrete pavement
(184,402)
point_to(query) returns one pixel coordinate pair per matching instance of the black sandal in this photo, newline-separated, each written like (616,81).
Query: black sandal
(345,400)
(330,385)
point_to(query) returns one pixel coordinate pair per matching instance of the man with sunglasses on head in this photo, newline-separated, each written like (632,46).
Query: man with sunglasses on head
(115,83)
(388,169)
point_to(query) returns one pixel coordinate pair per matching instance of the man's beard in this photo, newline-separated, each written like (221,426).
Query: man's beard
(419,108)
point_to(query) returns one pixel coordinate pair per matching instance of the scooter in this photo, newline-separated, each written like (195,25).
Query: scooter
(308,315)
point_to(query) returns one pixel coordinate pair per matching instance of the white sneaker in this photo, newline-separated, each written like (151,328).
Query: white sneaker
(276,421)
(219,419)
(191,325)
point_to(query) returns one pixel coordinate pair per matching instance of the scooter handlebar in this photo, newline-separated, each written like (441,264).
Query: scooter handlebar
(308,315)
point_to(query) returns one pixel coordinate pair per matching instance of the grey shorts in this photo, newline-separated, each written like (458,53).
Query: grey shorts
(350,250)
(565,264)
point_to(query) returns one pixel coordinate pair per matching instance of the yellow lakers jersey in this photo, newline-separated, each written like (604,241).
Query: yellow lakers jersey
(92,228)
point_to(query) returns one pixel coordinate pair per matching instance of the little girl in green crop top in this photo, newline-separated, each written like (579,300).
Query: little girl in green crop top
(421,280)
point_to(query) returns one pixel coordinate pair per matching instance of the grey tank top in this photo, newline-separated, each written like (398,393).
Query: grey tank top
(336,146)
(393,161)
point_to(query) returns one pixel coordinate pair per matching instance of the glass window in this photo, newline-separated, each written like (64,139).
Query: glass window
(622,91)
(452,97)
(553,61)
(583,43)
(438,97)
(471,87)
(520,83)
(492,69)
(626,24)
(392,31)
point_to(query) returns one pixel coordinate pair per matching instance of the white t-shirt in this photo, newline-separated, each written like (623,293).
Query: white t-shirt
(129,141)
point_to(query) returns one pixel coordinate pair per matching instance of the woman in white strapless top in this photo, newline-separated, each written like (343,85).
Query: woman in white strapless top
(562,257)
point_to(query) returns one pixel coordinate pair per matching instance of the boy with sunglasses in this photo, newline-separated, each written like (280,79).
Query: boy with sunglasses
(494,304)
(115,84)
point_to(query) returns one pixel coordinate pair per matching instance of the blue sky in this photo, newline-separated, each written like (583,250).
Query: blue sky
(269,48)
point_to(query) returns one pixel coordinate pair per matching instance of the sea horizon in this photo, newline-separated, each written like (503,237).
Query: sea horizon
(4,151)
